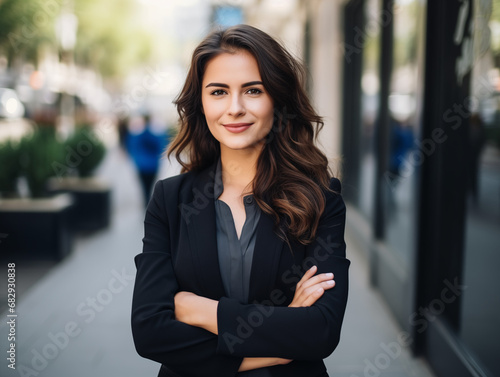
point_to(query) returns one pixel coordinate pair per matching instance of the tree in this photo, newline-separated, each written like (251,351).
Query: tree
(25,25)
(110,38)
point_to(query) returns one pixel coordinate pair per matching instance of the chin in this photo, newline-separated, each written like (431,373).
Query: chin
(241,145)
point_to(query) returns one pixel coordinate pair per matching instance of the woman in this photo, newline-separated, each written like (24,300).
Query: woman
(240,251)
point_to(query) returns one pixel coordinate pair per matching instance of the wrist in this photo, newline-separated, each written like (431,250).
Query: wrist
(206,314)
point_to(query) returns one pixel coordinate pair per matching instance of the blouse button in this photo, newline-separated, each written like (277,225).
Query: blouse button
(248,200)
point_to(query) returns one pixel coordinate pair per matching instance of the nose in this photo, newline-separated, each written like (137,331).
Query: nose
(236,106)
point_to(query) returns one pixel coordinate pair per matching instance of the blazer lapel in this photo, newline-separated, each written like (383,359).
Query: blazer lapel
(203,237)
(202,233)
(268,247)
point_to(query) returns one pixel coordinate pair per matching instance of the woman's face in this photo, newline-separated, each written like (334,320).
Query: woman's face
(238,110)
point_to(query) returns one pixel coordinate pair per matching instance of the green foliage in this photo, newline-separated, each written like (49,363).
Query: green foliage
(10,168)
(110,38)
(37,154)
(40,156)
(85,149)
(25,25)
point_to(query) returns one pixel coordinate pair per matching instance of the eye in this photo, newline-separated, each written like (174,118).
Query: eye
(254,91)
(218,92)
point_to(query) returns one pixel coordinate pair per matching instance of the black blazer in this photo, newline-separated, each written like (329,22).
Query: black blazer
(180,253)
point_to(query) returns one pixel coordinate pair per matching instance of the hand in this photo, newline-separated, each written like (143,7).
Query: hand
(185,307)
(250,363)
(310,288)
(196,310)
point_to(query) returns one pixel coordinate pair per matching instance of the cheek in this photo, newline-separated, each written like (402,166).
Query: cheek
(269,116)
(267,119)
(264,110)
(212,111)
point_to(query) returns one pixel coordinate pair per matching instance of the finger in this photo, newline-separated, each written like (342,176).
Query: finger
(328,284)
(313,297)
(313,283)
(317,280)
(325,285)
(316,289)
(309,273)
(308,296)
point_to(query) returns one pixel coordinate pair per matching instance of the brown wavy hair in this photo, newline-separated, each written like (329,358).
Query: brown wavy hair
(292,173)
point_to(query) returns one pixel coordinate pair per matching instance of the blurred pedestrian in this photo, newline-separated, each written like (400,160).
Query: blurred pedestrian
(146,148)
(123,132)
(240,251)
(401,145)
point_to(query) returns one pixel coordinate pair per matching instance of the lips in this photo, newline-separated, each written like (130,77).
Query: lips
(237,127)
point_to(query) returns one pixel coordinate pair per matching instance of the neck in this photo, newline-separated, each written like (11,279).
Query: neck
(239,167)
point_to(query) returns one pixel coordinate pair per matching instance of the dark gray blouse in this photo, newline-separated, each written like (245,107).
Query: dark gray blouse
(235,255)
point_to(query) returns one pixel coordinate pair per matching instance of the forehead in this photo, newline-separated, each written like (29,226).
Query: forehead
(238,67)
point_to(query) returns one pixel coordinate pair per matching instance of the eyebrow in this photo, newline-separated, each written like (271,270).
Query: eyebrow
(220,85)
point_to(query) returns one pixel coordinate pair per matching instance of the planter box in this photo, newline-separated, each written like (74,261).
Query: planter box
(92,201)
(36,229)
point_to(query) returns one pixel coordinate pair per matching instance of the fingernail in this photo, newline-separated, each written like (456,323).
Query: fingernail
(330,282)
(329,275)
(312,268)
(320,290)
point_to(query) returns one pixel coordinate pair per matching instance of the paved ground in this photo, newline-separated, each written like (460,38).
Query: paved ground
(74,317)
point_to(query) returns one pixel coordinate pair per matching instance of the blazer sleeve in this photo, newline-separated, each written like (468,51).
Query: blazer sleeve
(308,333)
(185,349)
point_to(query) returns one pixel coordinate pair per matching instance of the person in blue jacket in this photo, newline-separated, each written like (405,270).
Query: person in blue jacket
(243,270)
(146,149)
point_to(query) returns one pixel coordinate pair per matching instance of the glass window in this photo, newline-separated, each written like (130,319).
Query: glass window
(405,101)
(480,310)
(370,99)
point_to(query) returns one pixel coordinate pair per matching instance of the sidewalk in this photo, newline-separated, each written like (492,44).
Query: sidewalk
(370,344)
(75,320)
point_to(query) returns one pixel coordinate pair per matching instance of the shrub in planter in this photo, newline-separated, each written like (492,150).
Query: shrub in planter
(38,227)
(86,150)
(37,153)
(9,168)
(92,197)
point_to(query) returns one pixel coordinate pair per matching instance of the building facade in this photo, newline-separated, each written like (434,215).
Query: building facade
(414,105)
(410,94)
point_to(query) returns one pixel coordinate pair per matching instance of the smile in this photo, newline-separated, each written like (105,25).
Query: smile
(237,127)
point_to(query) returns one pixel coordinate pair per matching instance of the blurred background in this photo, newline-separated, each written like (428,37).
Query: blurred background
(410,94)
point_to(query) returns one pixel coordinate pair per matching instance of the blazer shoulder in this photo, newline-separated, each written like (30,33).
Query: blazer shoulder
(171,191)
(181,188)
(335,185)
(176,182)
(334,201)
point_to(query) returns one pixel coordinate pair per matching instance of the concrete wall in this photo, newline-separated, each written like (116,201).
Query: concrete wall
(286,21)
(326,71)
